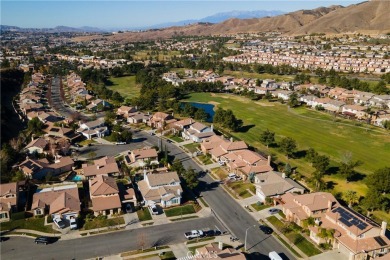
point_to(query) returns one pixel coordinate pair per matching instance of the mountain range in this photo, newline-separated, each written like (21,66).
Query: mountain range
(370,17)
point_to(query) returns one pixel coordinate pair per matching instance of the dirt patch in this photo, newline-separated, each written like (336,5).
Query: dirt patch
(214,103)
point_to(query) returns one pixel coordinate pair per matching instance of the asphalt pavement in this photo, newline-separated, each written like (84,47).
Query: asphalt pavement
(105,244)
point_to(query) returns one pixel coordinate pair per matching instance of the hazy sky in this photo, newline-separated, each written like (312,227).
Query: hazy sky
(126,14)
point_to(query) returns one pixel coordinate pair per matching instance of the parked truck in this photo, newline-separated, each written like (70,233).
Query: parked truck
(193,234)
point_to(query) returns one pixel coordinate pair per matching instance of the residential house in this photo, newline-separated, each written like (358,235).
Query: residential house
(39,145)
(138,117)
(58,201)
(104,194)
(381,119)
(124,111)
(94,128)
(39,168)
(142,157)
(217,146)
(182,124)
(163,188)
(103,166)
(9,196)
(272,184)
(355,111)
(381,101)
(244,162)
(197,132)
(356,236)
(97,104)
(160,120)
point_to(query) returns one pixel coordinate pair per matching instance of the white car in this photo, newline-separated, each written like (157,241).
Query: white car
(59,223)
(73,223)
(153,209)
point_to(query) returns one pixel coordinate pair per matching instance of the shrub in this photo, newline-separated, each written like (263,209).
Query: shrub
(49,219)
(18,215)
(325,246)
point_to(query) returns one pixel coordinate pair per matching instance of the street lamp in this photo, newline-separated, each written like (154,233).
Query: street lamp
(246,234)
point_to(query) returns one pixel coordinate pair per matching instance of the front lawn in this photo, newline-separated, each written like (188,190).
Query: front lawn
(192,148)
(144,214)
(28,223)
(180,210)
(103,221)
(220,172)
(260,206)
(87,142)
(276,222)
(205,159)
(175,138)
(241,188)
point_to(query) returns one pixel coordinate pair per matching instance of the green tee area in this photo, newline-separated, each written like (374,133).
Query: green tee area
(311,129)
(126,86)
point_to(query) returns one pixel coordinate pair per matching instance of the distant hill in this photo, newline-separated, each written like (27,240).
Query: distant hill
(368,17)
(220,17)
(57,29)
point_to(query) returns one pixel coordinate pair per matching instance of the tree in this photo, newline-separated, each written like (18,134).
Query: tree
(18,176)
(287,169)
(201,115)
(293,100)
(321,163)
(126,136)
(351,197)
(35,126)
(191,178)
(177,166)
(288,146)
(267,137)
(379,180)
(374,200)
(347,166)
(311,154)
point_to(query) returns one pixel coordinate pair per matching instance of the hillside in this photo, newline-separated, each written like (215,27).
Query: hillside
(367,17)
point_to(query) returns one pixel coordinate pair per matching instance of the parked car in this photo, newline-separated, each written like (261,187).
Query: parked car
(221,163)
(194,234)
(43,240)
(73,223)
(128,208)
(212,233)
(273,211)
(154,209)
(266,230)
(59,223)
(119,143)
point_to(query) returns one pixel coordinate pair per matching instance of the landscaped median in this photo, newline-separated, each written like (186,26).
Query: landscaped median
(293,233)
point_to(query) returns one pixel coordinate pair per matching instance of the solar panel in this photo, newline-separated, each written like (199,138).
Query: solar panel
(354,221)
(345,222)
(380,241)
(362,226)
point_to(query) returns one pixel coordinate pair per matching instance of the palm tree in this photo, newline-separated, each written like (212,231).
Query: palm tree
(351,197)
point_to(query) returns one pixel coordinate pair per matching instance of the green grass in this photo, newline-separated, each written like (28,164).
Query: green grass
(258,207)
(144,214)
(176,138)
(200,240)
(300,241)
(87,142)
(125,86)
(205,159)
(240,188)
(303,244)
(100,222)
(288,246)
(180,210)
(192,147)
(275,222)
(184,218)
(32,223)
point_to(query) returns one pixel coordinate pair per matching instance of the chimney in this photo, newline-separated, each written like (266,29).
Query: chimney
(269,159)
(98,166)
(383,228)
(330,203)
(9,204)
(231,139)
(220,245)
(212,127)
(284,175)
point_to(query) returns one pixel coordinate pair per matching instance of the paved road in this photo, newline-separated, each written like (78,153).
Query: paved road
(106,244)
(58,104)
(226,209)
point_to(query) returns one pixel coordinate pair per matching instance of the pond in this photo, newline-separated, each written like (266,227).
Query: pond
(208,108)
